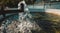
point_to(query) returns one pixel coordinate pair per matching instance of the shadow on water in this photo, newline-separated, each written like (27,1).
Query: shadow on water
(46,25)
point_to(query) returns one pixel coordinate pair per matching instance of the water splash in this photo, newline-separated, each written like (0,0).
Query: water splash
(25,25)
